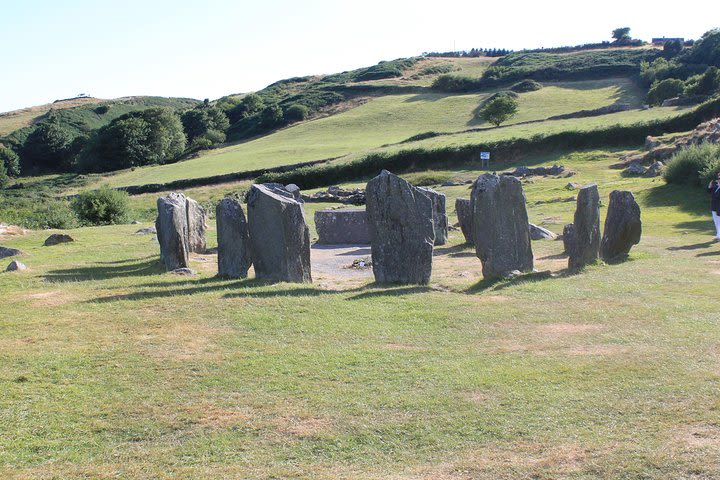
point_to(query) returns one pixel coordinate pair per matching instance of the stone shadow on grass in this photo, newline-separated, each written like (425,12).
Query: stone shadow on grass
(102,271)
(455,251)
(694,246)
(708,254)
(503,283)
(690,199)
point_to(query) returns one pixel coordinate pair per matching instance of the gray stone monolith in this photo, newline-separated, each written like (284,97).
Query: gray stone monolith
(279,236)
(568,237)
(500,226)
(197,224)
(233,236)
(585,247)
(440,219)
(342,226)
(464,215)
(172,231)
(401,230)
(623,227)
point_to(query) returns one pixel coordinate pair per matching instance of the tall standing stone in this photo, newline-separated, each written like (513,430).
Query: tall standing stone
(440,219)
(500,225)
(401,230)
(465,219)
(196,221)
(586,229)
(623,227)
(172,231)
(279,236)
(234,257)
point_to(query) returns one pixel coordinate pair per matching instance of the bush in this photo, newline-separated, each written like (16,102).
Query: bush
(103,206)
(102,109)
(455,83)
(53,214)
(271,116)
(691,165)
(526,86)
(705,84)
(665,89)
(297,112)
(4,179)
(10,160)
(48,148)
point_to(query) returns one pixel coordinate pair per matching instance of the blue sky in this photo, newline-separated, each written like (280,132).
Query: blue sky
(58,49)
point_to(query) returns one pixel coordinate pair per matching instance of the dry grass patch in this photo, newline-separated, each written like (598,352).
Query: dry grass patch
(50,299)
(181,342)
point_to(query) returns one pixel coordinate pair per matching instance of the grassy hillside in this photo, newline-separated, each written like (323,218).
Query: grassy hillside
(17,119)
(114,369)
(394,118)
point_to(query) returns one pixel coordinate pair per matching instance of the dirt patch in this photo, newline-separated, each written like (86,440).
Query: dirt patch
(219,417)
(568,328)
(700,436)
(303,427)
(331,266)
(50,299)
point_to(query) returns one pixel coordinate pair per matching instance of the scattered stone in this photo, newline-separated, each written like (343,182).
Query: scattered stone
(183,271)
(683,100)
(541,171)
(172,231)
(58,238)
(361,264)
(635,168)
(345,226)
(540,233)
(573,186)
(336,194)
(500,226)
(465,219)
(16,266)
(440,219)
(279,236)
(401,230)
(451,183)
(9,252)
(651,142)
(568,237)
(586,225)
(135,222)
(233,237)
(623,227)
(196,224)
(6,229)
(146,231)
(655,170)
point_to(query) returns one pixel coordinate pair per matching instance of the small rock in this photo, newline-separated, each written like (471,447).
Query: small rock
(183,271)
(540,233)
(146,231)
(16,266)
(655,170)
(9,252)
(573,186)
(57,238)
(635,168)
(135,222)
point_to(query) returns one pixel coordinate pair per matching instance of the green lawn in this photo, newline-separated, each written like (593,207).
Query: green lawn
(113,369)
(391,119)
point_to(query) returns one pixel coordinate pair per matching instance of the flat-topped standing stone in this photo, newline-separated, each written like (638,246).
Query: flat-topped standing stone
(464,215)
(440,219)
(344,226)
(623,227)
(401,230)
(279,236)
(196,222)
(500,226)
(586,229)
(172,231)
(234,257)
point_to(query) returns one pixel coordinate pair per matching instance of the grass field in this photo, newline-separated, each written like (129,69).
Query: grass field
(112,368)
(395,118)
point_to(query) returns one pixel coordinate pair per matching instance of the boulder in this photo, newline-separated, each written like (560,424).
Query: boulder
(568,237)
(279,236)
(440,219)
(540,233)
(343,226)
(586,225)
(402,233)
(196,224)
(573,186)
(623,227)
(233,237)
(464,215)
(655,170)
(294,191)
(651,142)
(58,238)
(172,231)
(9,252)
(500,226)
(16,266)
(634,168)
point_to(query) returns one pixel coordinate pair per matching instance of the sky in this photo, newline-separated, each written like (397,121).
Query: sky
(53,49)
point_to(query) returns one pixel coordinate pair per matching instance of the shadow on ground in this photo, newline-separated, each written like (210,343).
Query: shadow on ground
(107,270)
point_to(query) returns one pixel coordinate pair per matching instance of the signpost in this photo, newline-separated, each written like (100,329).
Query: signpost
(484,159)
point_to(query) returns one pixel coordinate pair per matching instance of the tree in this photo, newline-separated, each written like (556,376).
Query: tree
(672,48)
(249,105)
(205,118)
(296,112)
(499,109)
(706,51)
(705,84)
(10,161)
(48,148)
(271,116)
(621,34)
(665,89)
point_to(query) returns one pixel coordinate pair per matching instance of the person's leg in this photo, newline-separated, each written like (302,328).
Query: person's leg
(716,219)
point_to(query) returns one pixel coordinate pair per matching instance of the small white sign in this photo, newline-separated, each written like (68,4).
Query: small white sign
(484,155)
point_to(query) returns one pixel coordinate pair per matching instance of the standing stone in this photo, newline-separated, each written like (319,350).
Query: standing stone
(279,236)
(172,231)
(401,230)
(343,226)
(586,226)
(500,226)
(568,237)
(440,219)
(464,215)
(233,236)
(623,227)
(196,222)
